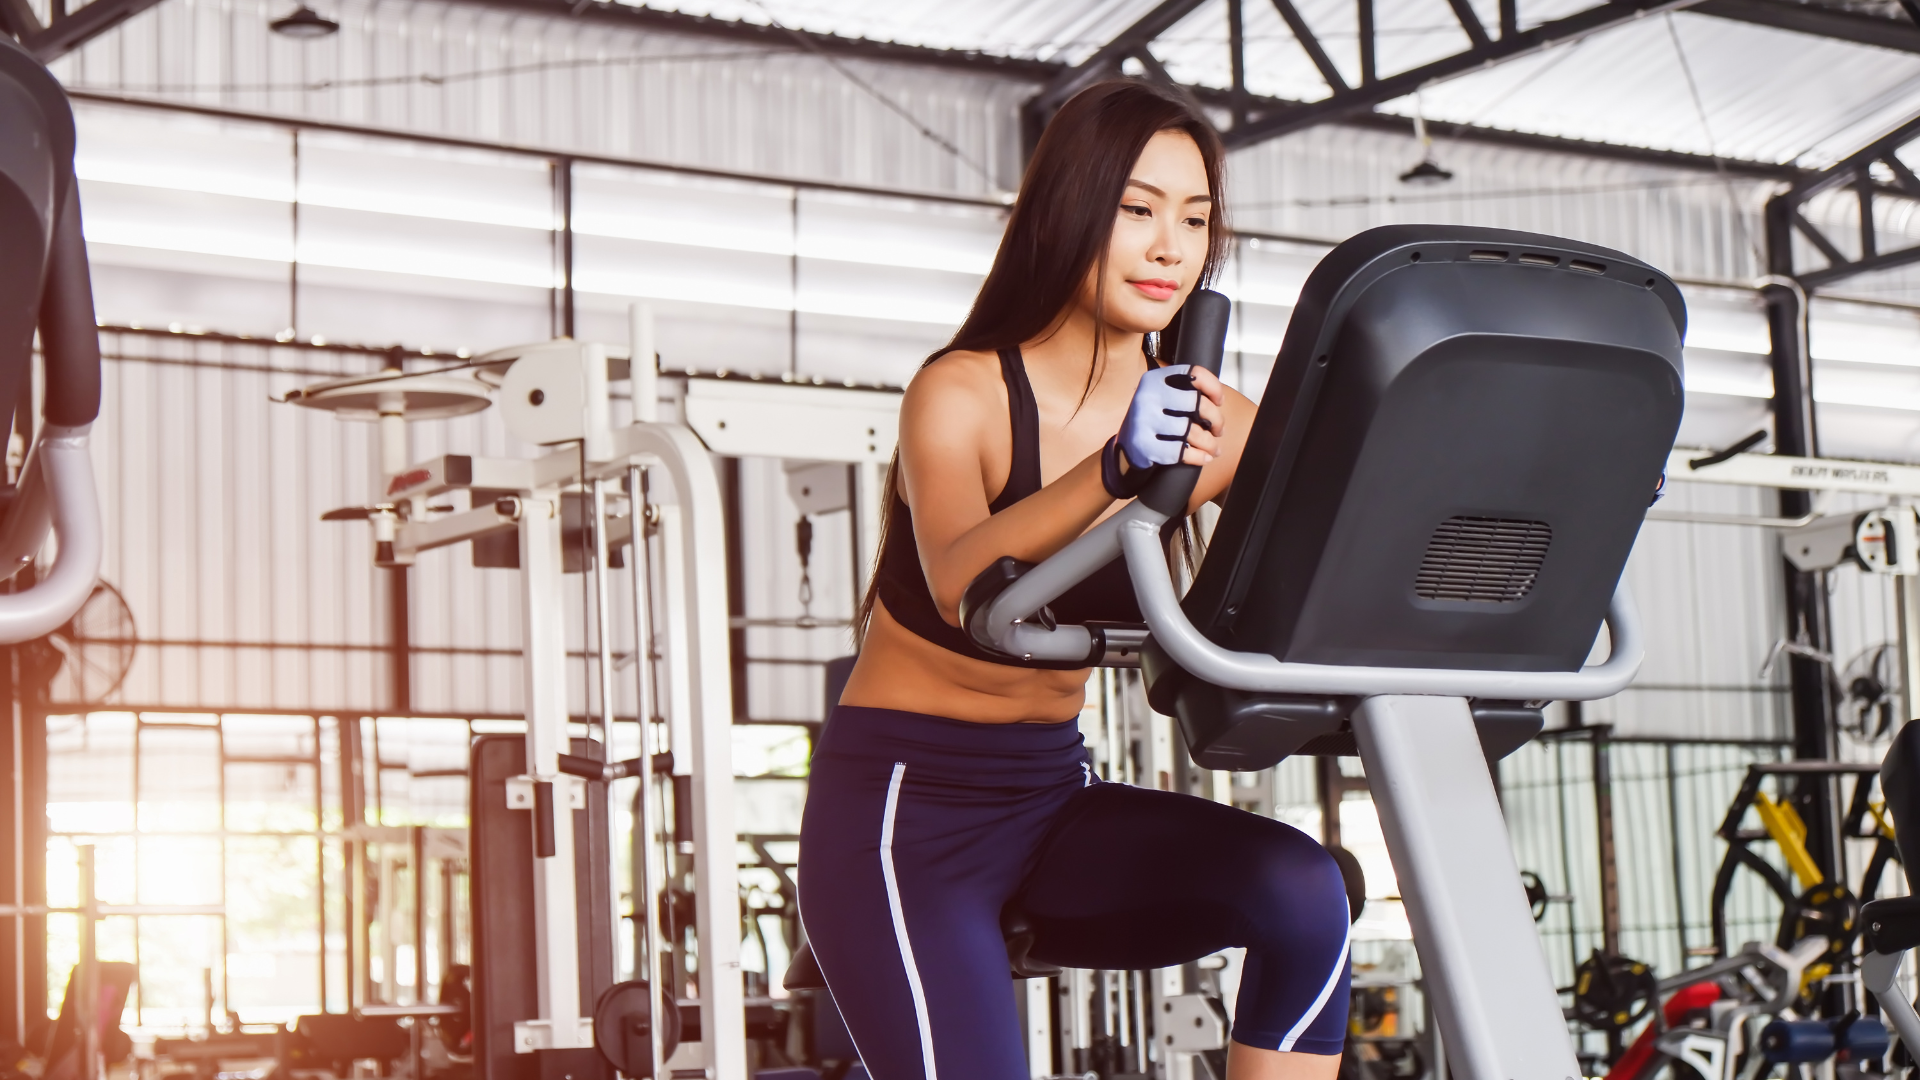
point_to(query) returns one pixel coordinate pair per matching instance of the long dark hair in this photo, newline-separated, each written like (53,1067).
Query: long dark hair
(1060,228)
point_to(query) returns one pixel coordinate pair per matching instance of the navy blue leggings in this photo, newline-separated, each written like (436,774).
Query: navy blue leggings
(920,829)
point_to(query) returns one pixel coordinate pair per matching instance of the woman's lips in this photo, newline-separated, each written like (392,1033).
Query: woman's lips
(1156,288)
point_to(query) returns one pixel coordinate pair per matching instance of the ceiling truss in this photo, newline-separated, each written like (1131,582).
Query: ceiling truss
(68,30)
(1043,72)
(1250,121)
(1249,117)
(1786,213)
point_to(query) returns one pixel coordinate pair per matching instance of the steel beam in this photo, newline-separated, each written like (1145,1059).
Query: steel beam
(17,18)
(1889,261)
(1843,171)
(1369,54)
(1343,104)
(1303,34)
(1818,21)
(74,29)
(1106,59)
(1237,59)
(1855,171)
(785,39)
(1522,140)
(1737,167)
(1470,22)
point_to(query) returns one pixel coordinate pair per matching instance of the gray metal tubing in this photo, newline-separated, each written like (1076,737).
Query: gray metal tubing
(27,520)
(1153,585)
(1880,971)
(65,469)
(1045,583)
(1479,949)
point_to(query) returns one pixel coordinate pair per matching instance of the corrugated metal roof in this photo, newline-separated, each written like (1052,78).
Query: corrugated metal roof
(1767,95)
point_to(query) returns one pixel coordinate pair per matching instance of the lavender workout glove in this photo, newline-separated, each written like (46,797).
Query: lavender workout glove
(1165,405)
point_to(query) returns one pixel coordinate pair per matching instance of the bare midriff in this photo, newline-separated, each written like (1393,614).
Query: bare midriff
(899,669)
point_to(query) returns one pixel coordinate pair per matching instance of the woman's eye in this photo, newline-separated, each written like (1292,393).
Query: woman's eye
(1137,211)
(1197,222)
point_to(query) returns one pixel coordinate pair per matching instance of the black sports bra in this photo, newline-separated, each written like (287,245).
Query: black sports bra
(1105,596)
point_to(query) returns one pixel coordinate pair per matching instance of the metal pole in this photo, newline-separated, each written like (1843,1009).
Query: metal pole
(88,1012)
(1796,434)
(19,866)
(1326,774)
(1679,879)
(1906,597)
(648,924)
(419,857)
(1479,951)
(597,499)
(1609,863)
(556,930)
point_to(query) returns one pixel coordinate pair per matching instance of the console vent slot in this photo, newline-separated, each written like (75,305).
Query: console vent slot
(1532,259)
(1589,267)
(1488,256)
(1482,560)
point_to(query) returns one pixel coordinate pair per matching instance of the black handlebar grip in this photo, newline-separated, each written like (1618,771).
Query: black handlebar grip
(1198,337)
(68,336)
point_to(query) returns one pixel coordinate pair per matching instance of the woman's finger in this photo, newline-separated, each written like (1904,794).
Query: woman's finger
(1202,439)
(1193,455)
(1211,416)
(1209,385)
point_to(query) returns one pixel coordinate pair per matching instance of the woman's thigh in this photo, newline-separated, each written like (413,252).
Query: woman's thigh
(901,901)
(1136,878)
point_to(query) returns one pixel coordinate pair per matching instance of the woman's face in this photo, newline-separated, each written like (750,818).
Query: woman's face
(1159,236)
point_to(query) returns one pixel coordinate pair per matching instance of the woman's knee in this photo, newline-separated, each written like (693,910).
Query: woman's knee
(1294,886)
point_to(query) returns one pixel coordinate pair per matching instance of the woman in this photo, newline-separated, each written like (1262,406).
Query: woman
(951,781)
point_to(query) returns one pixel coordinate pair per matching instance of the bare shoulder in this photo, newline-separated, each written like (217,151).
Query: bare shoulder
(954,391)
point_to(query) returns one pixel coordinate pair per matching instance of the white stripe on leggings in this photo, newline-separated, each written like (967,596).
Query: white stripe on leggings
(1326,992)
(900,922)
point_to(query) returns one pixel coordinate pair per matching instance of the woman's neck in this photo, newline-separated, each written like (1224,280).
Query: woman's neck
(1076,341)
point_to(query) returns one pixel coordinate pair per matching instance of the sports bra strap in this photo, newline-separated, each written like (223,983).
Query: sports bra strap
(1023,414)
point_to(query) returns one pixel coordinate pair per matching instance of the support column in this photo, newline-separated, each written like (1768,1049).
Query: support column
(1906,596)
(390,583)
(23,862)
(1471,922)
(1795,433)
(869,486)
(1609,862)
(543,640)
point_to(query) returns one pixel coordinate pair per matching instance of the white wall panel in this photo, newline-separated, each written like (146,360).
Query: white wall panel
(488,74)
(1710,602)
(241,597)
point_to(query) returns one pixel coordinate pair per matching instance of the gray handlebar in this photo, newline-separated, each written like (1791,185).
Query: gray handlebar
(1260,672)
(1135,532)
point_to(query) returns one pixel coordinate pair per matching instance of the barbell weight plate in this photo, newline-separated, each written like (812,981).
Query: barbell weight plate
(620,1021)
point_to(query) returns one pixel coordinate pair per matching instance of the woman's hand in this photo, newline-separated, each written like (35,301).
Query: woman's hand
(1175,416)
(1209,420)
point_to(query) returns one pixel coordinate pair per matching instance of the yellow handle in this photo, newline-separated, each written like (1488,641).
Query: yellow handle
(1880,818)
(1790,833)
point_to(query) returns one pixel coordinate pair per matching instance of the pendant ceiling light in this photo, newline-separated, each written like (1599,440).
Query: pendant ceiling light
(305,24)
(1428,172)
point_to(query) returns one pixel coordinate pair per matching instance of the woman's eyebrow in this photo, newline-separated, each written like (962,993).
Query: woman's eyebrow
(1143,185)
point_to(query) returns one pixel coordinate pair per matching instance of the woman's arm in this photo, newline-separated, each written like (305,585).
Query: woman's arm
(1217,475)
(947,422)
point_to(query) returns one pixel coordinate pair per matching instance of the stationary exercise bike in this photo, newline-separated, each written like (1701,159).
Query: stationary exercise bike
(44,286)
(1462,434)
